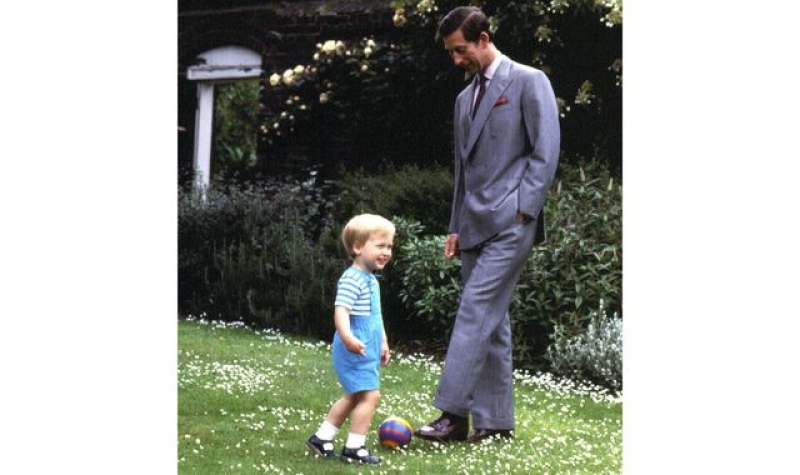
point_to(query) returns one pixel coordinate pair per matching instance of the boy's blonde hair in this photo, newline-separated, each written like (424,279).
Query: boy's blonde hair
(358,230)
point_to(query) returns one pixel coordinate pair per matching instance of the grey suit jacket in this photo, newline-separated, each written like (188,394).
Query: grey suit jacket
(506,158)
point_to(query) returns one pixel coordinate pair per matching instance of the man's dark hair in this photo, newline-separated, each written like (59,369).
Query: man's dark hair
(471,20)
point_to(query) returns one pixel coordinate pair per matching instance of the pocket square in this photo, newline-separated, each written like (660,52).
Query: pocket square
(501,101)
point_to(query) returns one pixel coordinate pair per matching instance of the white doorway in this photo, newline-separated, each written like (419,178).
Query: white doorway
(226,63)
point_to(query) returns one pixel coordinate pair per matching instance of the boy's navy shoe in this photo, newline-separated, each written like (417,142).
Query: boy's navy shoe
(359,455)
(323,448)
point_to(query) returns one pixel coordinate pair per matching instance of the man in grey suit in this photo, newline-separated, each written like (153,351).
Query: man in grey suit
(507,140)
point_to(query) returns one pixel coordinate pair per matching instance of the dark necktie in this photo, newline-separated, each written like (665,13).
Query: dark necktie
(481,90)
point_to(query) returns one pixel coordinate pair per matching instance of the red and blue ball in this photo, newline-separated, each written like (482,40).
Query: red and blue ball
(394,432)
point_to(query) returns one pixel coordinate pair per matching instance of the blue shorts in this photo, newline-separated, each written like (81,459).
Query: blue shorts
(356,372)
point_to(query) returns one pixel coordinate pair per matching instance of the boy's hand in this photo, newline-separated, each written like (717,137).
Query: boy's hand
(354,345)
(385,354)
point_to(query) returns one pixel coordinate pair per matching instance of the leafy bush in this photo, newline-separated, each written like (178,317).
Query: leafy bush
(578,265)
(235,127)
(270,255)
(594,354)
(430,284)
(205,227)
(416,194)
(260,254)
(565,278)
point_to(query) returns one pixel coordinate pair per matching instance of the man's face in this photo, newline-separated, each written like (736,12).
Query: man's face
(468,55)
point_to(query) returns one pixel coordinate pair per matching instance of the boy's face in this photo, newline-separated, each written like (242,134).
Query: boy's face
(375,253)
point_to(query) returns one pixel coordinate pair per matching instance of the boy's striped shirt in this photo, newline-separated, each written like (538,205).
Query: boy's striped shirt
(353,292)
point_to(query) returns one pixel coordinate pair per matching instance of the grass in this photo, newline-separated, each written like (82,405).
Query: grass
(248,400)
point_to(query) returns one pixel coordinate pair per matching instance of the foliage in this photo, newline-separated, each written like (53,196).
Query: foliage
(362,104)
(578,44)
(235,128)
(414,198)
(247,400)
(415,193)
(258,253)
(578,265)
(594,354)
(269,254)
(564,278)
(384,99)
(429,283)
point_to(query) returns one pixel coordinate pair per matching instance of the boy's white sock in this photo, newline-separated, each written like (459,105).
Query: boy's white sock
(327,431)
(355,441)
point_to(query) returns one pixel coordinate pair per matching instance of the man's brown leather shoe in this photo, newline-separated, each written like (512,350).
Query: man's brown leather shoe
(444,429)
(482,434)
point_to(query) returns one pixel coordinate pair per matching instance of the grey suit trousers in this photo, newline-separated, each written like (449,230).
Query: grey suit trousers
(477,376)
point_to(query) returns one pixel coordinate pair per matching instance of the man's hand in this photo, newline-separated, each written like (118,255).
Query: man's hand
(451,246)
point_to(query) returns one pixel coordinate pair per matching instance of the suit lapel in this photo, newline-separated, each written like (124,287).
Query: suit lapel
(464,120)
(497,85)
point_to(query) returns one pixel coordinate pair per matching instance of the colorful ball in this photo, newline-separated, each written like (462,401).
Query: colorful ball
(394,432)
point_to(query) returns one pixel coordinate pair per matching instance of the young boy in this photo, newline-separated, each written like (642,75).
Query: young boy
(360,346)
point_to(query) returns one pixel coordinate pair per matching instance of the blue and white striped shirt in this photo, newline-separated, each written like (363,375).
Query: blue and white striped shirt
(353,292)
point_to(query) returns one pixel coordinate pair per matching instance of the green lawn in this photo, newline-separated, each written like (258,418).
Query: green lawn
(248,400)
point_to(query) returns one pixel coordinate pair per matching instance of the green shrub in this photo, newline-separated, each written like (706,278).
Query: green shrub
(564,279)
(270,255)
(578,265)
(430,285)
(262,254)
(206,227)
(235,127)
(595,354)
(416,194)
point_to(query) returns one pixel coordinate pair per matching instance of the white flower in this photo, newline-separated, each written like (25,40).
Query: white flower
(329,47)
(426,6)
(367,51)
(364,67)
(399,18)
(323,98)
(275,79)
(288,77)
(370,43)
(299,69)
